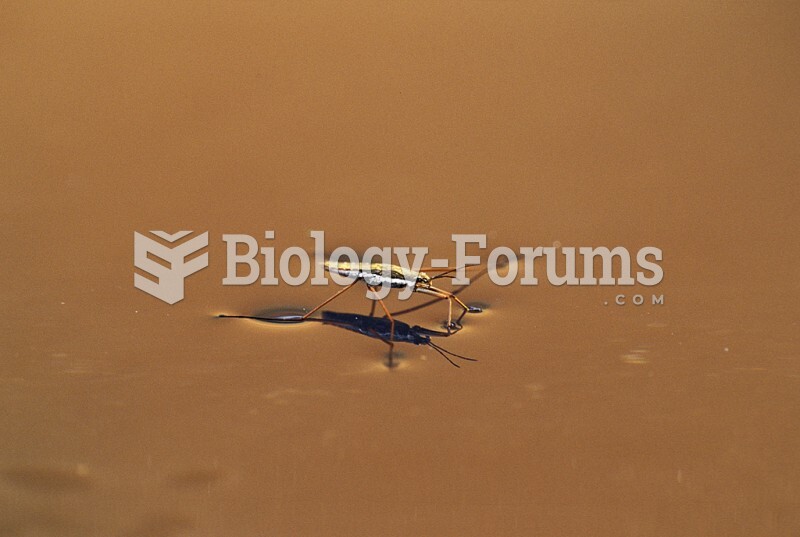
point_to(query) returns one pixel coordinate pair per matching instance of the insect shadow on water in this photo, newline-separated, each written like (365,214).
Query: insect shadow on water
(375,327)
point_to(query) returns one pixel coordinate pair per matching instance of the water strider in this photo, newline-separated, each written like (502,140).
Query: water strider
(387,328)
(381,328)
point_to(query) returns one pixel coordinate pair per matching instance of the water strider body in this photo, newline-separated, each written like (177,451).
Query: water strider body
(376,274)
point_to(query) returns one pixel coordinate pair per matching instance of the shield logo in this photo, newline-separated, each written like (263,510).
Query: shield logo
(169,275)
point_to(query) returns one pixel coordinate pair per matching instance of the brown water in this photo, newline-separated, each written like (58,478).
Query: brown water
(673,126)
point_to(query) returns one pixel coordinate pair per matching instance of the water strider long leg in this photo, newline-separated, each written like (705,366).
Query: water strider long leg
(372,310)
(418,307)
(466,309)
(442,294)
(391,347)
(391,326)
(339,292)
(445,270)
(451,297)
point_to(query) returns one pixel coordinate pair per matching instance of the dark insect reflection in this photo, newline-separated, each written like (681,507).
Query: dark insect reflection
(374,327)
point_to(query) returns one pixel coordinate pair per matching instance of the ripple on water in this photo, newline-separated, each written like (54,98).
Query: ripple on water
(636,357)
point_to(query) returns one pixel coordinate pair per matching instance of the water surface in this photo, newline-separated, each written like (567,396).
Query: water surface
(667,126)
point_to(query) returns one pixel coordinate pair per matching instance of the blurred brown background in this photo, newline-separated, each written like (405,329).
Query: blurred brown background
(661,124)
